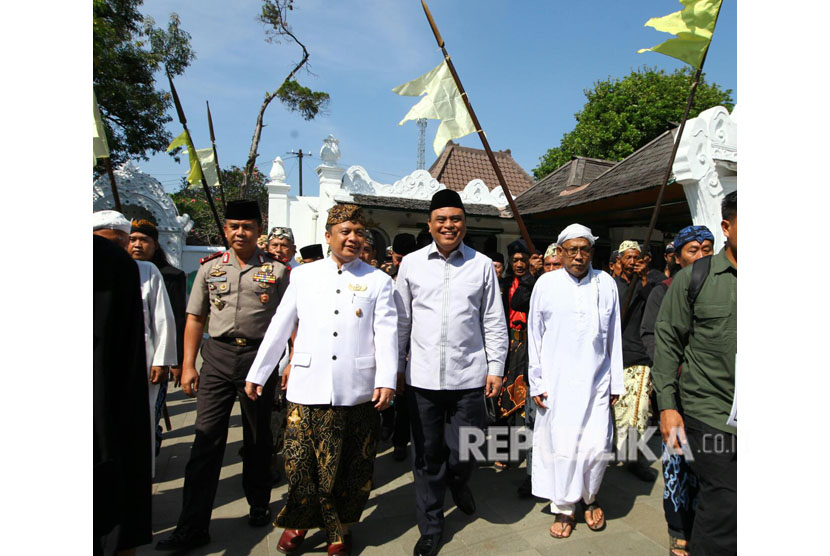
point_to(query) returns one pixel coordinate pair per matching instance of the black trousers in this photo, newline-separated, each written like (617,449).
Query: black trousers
(435,417)
(715,463)
(221,382)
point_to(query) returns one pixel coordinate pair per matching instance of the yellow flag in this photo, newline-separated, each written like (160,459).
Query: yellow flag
(442,102)
(208,166)
(183,140)
(100,149)
(693,25)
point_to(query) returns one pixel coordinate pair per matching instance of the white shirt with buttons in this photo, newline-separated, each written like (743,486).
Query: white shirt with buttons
(450,319)
(346,343)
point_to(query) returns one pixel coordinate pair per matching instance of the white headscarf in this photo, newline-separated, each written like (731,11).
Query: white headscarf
(574,231)
(110,220)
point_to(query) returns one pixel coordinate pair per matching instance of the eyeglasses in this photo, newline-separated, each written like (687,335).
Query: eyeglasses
(572,251)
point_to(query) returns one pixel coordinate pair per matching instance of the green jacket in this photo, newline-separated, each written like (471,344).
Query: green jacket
(706,350)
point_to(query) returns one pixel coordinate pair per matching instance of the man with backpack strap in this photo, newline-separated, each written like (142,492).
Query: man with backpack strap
(680,494)
(700,334)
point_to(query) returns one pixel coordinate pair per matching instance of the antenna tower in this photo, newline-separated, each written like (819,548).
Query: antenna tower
(422,134)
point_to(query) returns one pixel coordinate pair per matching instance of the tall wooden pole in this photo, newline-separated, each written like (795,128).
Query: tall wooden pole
(655,213)
(116,198)
(480,131)
(192,153)
(216,156)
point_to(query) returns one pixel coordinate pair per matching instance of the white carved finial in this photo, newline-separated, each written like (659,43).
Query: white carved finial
(277,173)
(330,151)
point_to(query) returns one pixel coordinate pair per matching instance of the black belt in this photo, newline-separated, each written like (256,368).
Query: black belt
(238,341)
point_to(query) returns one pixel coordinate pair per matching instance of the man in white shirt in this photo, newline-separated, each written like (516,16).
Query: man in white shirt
(575,372)
(343,372)
(451,324)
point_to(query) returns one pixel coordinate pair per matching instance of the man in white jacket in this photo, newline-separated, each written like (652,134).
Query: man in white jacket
(343,372)
(575,372)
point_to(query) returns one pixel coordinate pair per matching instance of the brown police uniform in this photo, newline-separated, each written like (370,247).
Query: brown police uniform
(240,301)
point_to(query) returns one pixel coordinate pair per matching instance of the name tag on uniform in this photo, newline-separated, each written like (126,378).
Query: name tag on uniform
(217,279)
(358,287)
(265,278)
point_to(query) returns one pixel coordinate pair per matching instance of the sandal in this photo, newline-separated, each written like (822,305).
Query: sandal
(565,520)
(674,544)
(599,525)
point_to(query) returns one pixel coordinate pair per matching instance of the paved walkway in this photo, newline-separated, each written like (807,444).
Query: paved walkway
(503,524)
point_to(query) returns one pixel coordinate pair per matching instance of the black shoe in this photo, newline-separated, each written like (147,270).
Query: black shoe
(386,434)
(463,499)
(399,453)
(642,471)
(427,545)
(525,490)
(260,516)
(183,541)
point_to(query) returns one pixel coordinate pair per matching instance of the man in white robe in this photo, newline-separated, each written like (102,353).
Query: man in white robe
(159,322)
(575,372)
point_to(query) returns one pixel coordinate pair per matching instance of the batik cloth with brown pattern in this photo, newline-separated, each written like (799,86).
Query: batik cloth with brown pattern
(514,384)
(329,459)
(345,213)
(632,409)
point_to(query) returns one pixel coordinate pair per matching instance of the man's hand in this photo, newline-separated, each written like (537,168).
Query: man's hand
(401,385)
(190,380)
(672,429)
(538,400)
(252,390)
(384,398)
(536,264)
(284,377)
(157,374)
(614,399)
(176,372)
(493,386)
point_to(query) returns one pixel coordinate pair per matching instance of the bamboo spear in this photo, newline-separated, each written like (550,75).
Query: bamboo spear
(480,132)
(192,153)
(655,213)
(216,156)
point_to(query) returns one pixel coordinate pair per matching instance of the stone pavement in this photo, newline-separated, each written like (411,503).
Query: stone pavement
(503,523)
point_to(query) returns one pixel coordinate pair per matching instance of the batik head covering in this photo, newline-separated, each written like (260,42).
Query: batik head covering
(575,231)
(281,232)
(345,213)
(692,233)
(670,248)
(518,246)
(629,244)
(145,227)
(550,251)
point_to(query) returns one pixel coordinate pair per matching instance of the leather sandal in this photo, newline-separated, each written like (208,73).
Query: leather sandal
(290,540)
(674,544)
(566,520)
(592,507)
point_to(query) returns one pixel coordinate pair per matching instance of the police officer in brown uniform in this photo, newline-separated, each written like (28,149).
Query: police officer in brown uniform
(240,290)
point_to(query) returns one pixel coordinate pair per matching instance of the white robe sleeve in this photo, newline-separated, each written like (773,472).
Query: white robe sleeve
(162,321)
(386,337)
(614,348)
(274,342)
(535,333)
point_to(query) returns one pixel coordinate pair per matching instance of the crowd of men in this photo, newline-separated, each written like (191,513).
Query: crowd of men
(334,355)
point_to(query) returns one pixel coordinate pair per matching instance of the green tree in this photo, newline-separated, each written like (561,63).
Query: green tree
(622,115)
(191,199)
(295,97)
(127,50)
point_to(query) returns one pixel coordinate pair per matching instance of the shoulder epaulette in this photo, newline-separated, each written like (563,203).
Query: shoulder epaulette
(210,257)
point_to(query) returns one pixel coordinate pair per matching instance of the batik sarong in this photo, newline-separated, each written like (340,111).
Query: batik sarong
(329,459)
(632,409)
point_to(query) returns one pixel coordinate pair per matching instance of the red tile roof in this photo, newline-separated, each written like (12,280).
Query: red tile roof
(457,166)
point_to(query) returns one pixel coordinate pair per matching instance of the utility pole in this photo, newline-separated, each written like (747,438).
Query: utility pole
(422,133)
(300,156)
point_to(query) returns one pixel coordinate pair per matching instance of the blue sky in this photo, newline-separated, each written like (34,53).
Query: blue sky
(525,65)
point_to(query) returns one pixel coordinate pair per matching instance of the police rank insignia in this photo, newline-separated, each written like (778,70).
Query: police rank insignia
(357,287)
